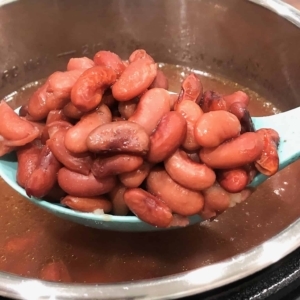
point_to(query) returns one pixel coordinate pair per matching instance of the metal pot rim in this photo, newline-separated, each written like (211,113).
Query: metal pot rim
(175,286)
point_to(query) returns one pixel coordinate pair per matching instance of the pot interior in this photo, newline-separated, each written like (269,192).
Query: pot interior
(226,39)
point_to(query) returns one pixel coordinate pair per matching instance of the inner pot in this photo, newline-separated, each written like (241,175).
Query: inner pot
(234,39)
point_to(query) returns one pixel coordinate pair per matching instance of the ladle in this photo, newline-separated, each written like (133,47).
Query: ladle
(287,124)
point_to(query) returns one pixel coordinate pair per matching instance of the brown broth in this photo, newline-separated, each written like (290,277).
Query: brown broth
(31,237)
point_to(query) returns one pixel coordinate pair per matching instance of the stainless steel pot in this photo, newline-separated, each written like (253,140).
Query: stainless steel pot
(236,39)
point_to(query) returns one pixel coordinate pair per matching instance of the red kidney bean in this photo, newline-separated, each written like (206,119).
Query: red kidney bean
(37,104)
(119,137)
(128,108)
(135,178)
(43,177)
(87,204)
(110,60)
(168,136)
(28,158)
(75,139)
(160,81)
(238,152)
(152,106)
(72,112)
(114,165)
(78,163)
(116,196)
(241,112)
(37,125)
(135,79)
(191,89)
(15,130)
(80,63)
(192,113)
(53,95)
(179,199)
(268,162)
(191,175)
(52,128)
(59,88)
(215,127)
(216,200)
(55,271)
(212,101)
(87,92)
(148,208)
(238,96)
(56,115)
(79,185)
(140,54)
(233,180)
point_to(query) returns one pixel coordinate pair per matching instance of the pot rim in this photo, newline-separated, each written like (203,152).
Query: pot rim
(175,286)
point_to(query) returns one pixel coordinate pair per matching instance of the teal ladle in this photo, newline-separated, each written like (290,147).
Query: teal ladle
(286,124)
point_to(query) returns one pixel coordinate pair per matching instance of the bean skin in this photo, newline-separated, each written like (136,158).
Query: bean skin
(79,185)
(152,106)
(43,178)
(114,165)
(88,90)
(238,152)
(191,175)
(148,208)
(191,89)
(212,101)
(268,162)
(87,204)
(135,79)
(75,140)
(119,137)
(215,127)
(179,199)
(192,113)
(168,136)
(238,96)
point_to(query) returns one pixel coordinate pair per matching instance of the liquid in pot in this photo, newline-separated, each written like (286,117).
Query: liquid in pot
(32,239)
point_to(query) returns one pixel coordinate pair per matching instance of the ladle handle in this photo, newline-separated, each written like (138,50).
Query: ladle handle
(287,124)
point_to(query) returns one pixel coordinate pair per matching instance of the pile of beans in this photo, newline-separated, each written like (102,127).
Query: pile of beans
(106,136)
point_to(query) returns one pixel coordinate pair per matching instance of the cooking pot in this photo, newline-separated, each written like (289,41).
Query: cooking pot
(239,40)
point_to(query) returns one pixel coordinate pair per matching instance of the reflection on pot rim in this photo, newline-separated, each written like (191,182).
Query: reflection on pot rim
(184,284)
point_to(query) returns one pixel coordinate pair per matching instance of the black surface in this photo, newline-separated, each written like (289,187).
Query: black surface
(279,282)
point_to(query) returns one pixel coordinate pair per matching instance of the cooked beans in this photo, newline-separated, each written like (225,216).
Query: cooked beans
(106,136)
